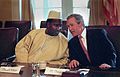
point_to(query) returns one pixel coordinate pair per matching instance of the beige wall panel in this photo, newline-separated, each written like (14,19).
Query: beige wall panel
(5,10)
(9,10)
(15,9)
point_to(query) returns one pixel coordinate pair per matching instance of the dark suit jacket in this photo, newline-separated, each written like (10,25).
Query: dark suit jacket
(100,49)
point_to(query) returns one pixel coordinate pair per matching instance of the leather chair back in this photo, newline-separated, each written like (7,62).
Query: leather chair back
(0,24)
(23,26)
(8,41)
(43,24)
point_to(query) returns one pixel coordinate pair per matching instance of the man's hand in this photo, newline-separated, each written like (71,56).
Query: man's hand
(73,64)
(104,66)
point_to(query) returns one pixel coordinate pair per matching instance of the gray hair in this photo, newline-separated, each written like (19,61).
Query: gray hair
(78,18)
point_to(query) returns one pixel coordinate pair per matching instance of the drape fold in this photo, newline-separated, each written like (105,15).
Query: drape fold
(27,12)
(101,13)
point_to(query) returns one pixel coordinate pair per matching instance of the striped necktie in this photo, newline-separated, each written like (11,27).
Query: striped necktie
(82,42)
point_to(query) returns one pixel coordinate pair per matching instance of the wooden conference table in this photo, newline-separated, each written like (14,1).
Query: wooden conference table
(96,73)
(26,71)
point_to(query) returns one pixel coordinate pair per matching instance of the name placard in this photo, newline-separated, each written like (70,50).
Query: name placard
(10,69)
(55,71)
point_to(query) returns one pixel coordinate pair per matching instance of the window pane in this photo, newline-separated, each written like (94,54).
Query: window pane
(80,3)
(38,17)
(54,3)
(38,3)
(42,8)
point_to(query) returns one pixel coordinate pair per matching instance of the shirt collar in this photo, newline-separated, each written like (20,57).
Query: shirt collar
(83,34)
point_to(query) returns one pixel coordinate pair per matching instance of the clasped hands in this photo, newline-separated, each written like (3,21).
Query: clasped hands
(75,63)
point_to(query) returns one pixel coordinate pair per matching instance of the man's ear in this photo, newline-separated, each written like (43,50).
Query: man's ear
(81,24)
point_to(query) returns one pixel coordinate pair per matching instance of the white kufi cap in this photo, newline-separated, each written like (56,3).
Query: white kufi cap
(54,15)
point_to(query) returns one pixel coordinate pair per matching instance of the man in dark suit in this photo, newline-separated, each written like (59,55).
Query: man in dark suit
(89,47)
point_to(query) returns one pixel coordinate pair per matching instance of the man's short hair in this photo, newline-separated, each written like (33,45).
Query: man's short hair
(78,18)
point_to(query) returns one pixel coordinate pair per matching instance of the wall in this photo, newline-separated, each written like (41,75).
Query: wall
(9,10)
(15,9)
(67,8)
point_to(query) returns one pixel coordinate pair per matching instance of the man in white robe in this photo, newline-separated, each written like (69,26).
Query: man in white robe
(44,44)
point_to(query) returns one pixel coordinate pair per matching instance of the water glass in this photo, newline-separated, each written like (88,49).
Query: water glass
(35,70)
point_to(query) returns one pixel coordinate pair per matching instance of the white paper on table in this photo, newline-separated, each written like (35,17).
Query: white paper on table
(83,71)
(55,71)
(10,69)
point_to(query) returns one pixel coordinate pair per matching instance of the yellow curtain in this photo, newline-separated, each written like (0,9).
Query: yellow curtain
(96,15)
(27,11)
(118,9)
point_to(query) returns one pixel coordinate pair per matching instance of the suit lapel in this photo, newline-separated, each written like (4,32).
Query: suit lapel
(88,36)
